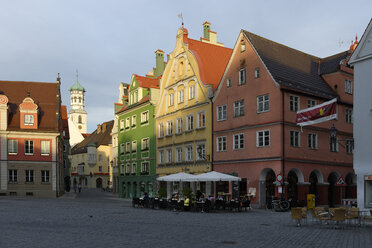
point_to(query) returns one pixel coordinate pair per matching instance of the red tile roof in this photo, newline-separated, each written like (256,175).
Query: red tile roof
(212,61)
(146,82)
(44,95)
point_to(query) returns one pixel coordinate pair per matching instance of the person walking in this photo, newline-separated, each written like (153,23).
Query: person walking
(79,187)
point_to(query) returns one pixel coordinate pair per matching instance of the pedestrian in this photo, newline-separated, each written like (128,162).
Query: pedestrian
(79,187)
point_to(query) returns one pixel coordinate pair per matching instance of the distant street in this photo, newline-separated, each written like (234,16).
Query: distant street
(95,218)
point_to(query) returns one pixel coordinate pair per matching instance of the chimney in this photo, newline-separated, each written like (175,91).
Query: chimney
(206,29)
(160,65)
(98,128)
(103,127)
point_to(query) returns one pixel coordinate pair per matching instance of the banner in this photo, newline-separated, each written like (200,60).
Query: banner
(319,113)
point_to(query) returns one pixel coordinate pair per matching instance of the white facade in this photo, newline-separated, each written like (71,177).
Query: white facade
(362,62)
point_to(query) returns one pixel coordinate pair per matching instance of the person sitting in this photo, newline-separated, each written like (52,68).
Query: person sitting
(186,204)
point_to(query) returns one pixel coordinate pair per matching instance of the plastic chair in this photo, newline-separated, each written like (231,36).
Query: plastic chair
(296,214)
(353,214)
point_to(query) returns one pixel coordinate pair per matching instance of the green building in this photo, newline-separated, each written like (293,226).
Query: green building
(136,134)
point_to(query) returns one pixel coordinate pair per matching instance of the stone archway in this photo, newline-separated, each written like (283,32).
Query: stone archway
(267,186)
(99,183)
(350,188)
(292,191)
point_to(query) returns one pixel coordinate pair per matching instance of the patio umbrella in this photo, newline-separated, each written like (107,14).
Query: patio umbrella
(215,176)
(178,177)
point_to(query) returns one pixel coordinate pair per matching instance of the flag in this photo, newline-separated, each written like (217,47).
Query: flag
(319,113)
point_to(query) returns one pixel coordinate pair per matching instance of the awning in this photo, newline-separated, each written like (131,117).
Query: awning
(215,176)
(178,177)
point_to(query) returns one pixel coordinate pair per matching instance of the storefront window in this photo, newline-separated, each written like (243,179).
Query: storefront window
(368,191)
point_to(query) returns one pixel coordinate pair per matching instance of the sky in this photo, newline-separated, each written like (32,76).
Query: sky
(108,41)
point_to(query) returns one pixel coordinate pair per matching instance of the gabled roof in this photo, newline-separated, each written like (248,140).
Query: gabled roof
(294,69)
(364,49)
(44,95)
(146,82)
(98,139)
(212,60)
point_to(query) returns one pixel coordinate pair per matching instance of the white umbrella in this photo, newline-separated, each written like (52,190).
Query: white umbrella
(215,176)
(178,177)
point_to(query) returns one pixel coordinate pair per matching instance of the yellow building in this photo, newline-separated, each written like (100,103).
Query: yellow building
(91,159)
(184,112)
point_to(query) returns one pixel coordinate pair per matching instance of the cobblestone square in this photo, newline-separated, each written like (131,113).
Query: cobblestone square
(98,219)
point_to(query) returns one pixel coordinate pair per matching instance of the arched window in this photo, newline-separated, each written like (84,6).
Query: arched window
(79,119)
(75,99)
(79,99)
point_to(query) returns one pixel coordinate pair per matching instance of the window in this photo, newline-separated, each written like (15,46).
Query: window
(171,99)
(161,130)
(122,148)
(178,154)
(242,76)
(201,119)
(189,153)
(45,147)
(29,176)
(79,119)
(228,82)
(121,125)
(100,157)
(348,86)
(127,122)
(263,103)
(312,141)
(311,103)
(333,144)
(242,47)
(169,155)
(99,168)
(200,151)
(192,92)
(294,138)
(134,120)
(221,144)
(189,123)
(29,120)
(134,145)
(349,115)
(145,167)
(161,157)
(29,147)
(13,176)
(169,128)
(257,73)
(222,113)
(127,148)
(145,144)
(134,168)
(238,141)
(294,103)
(145,117)
(239,108)
(263,138)
(45,176)
(127,169)
(349,146)
(181,96)
(12,146)
(179,126)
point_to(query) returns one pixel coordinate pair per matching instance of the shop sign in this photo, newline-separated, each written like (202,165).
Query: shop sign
(367,178)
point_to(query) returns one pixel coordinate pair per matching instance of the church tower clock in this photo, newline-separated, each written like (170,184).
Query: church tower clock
(77,113)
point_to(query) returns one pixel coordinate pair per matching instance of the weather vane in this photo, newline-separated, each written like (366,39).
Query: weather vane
(77,75)
(180,16)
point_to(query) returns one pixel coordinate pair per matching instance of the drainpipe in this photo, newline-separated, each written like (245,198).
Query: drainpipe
(283,148)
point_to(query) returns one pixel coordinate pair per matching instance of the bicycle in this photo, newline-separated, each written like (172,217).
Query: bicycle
(278,205)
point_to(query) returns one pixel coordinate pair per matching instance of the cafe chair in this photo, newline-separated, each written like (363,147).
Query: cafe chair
(353,214)
(296,214)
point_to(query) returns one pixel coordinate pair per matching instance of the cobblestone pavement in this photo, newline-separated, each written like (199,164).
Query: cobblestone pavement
(99,219)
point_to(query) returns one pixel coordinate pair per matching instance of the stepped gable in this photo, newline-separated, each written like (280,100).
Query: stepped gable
(292,68)
(44,95)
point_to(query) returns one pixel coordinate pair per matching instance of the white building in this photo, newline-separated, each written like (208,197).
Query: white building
(77,119)
(362,62)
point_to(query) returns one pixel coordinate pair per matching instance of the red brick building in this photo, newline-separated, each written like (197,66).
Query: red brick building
(31,139)
(254,122)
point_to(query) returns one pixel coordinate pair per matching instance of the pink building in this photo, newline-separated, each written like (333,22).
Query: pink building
(254,122)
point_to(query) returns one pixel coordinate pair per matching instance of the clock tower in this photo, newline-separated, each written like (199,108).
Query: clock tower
(77,114)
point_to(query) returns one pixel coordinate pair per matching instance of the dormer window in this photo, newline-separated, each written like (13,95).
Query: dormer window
(28,110)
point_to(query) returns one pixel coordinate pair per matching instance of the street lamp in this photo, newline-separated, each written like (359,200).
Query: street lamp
(333,132)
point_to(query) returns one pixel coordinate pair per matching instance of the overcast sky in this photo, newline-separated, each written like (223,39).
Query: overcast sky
(108,41)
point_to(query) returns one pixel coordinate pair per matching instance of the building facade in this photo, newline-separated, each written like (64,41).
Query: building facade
(31,139)
(90,162)
(362,62)
(255,131)
(66,150)
(184,113)
(136,138)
